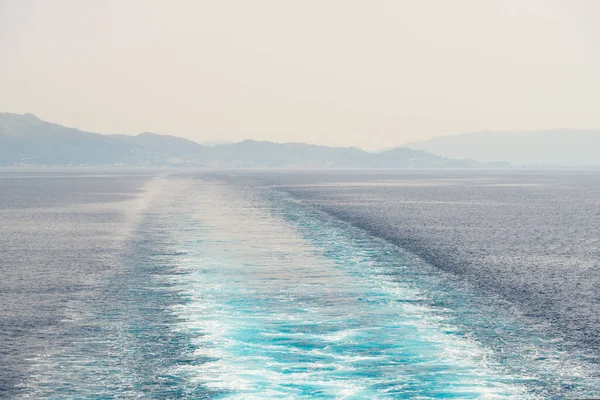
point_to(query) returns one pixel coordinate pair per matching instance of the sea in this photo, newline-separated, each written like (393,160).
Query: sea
(293,284)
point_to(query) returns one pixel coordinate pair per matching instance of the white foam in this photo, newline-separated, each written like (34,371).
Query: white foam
(247,271)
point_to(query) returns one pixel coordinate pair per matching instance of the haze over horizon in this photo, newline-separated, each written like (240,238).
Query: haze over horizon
(365,74)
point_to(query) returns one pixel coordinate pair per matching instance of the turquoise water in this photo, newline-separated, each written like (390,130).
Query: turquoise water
(233,291)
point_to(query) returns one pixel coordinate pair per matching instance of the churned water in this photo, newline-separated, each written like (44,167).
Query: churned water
(254,285)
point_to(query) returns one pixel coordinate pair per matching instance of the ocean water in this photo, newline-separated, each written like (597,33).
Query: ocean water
(346,284)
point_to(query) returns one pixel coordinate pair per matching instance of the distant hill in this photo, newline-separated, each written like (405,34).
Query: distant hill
(560,147)
(27,140)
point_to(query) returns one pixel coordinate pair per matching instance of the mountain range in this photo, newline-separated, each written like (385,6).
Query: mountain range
(27,140)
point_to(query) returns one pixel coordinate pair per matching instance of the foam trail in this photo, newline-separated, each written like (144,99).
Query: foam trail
(277,317)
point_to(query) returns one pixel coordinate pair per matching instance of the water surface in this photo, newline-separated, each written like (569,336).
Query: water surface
(353,284)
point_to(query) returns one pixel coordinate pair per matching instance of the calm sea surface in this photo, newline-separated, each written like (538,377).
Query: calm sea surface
(295,284)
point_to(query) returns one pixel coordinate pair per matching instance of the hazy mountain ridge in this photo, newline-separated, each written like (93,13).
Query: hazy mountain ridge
(27,140)
(556,147)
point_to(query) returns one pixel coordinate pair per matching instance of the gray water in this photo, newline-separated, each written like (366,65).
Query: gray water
(531,236)
(295,284)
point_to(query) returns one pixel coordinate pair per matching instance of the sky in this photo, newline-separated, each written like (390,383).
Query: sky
(369,73)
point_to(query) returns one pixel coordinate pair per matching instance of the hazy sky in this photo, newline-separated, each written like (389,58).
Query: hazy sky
(364,73)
